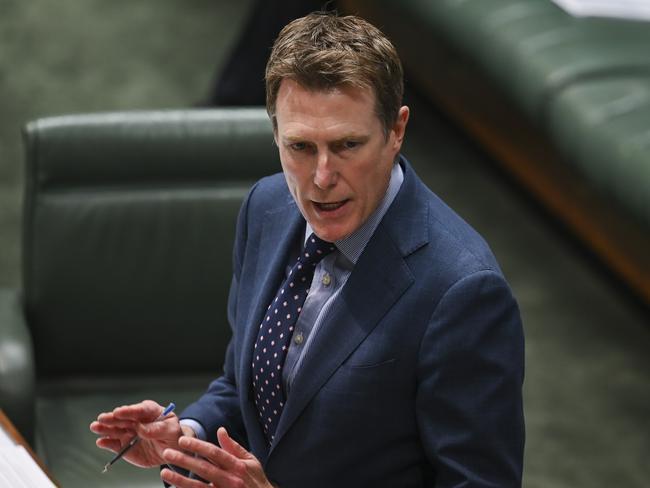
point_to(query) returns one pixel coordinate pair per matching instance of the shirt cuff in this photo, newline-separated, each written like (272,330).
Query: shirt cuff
(196,427)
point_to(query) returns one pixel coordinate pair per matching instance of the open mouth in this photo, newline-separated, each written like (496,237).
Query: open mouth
(329,206)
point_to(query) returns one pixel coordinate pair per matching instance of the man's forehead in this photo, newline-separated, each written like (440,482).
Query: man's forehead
(289,86)
(349,107)
(331,129)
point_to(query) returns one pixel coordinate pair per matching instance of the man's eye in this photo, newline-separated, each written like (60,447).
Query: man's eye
(345,146)
(298,146)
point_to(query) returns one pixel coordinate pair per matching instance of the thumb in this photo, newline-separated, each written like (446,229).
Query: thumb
(231,446)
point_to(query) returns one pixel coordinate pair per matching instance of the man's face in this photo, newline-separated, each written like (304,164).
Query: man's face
(335,155)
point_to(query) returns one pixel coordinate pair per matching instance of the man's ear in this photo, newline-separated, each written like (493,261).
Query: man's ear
(274,123)
(399,129)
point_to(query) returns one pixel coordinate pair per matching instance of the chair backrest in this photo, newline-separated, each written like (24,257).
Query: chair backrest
(129,221)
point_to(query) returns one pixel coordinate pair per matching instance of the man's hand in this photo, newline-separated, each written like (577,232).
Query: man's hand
(116,429)
(229,466)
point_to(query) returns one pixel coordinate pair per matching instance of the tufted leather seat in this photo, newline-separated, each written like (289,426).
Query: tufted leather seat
(127,235)
(562,103)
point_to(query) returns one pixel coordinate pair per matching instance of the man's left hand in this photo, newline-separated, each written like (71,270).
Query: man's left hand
(224,467)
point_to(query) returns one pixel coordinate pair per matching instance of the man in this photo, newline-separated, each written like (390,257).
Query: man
(403,366)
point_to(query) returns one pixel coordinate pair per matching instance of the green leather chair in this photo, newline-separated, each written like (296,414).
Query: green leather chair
(560,102)
(128,228)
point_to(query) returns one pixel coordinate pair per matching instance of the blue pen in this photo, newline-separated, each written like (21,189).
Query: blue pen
(134,440)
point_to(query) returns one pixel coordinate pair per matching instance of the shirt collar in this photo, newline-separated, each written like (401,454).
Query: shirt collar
(353,245)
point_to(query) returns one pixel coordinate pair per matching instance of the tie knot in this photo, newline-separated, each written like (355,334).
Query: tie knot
(315,249)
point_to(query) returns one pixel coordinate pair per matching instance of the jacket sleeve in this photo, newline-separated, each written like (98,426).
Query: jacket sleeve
(219,405)
(469,402)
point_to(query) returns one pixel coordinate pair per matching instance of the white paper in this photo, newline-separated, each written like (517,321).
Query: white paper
(622,9)
(32,470)
(9,469)
(17,467)
(5,440)
(3,480)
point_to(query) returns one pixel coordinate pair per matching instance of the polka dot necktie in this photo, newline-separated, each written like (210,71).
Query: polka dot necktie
(275,334)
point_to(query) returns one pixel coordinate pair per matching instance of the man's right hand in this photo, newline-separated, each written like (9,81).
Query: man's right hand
(118,427)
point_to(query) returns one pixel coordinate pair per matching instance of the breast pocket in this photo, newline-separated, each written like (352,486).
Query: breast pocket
(366,379)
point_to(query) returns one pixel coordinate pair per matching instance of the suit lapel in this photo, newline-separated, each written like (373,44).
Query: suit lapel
(367,296)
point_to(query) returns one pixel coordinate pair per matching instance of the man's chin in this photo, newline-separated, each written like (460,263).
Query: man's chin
(331,233)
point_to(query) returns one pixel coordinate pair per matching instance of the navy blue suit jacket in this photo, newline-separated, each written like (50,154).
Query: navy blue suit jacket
(414,378)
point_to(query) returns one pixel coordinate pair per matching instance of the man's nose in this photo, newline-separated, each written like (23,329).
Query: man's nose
(326,175)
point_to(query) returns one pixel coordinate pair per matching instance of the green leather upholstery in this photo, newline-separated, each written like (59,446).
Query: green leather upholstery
(585,77)
(17,373)
(128,233)
(128,229)
(604,127)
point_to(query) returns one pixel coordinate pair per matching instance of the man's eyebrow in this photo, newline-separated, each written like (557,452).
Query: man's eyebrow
(352,137)
(290,138)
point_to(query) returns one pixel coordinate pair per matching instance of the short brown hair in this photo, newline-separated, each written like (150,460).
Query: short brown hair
(323,50)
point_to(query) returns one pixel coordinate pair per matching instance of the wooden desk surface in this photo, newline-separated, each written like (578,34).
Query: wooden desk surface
(11,430)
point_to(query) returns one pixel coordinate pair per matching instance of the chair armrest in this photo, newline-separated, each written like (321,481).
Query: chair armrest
(17,369)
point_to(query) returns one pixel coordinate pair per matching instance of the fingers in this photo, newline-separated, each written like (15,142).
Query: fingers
(113,433)
(109,420)
(180,481)
(125,417)
(201,467)
(146,411)
(106,425)
(210,462)
(109,444)
(231,446)
(129,420)
(214,454)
